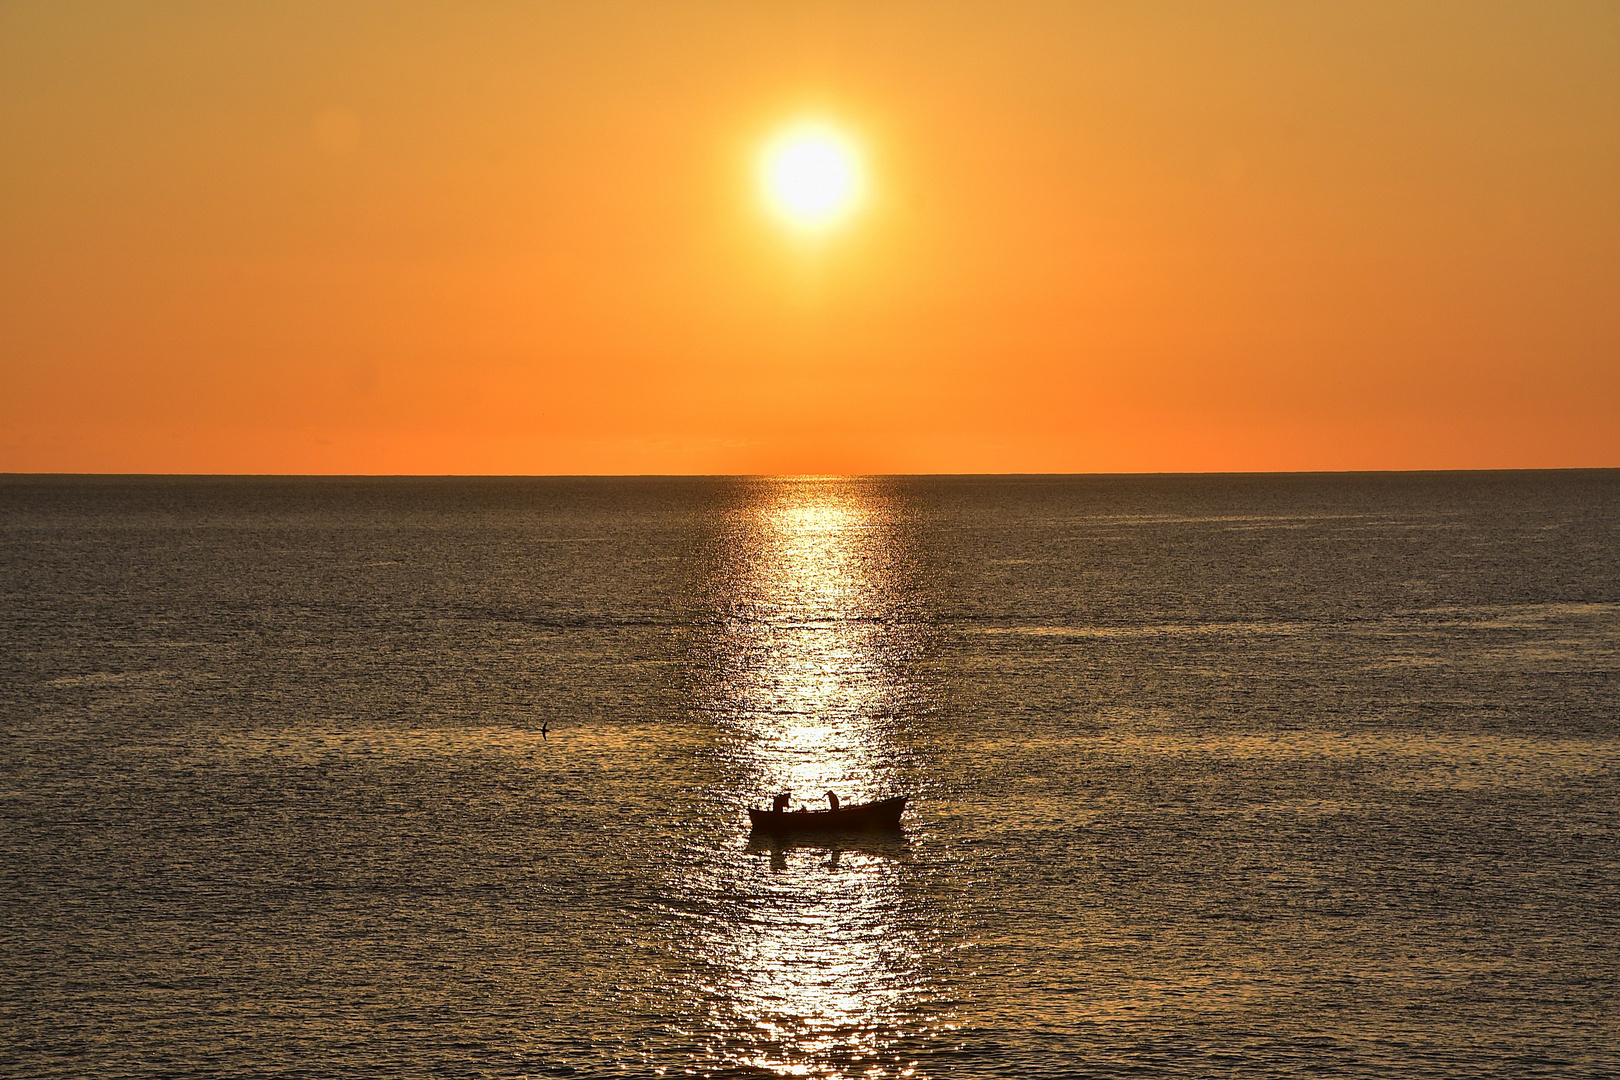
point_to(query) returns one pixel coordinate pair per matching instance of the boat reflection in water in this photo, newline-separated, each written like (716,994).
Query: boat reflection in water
(892,846)
(823,965)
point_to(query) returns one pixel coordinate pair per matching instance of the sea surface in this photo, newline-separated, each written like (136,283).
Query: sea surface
(1210,776)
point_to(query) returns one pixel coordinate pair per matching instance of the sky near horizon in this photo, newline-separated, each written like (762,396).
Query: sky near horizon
(423,237)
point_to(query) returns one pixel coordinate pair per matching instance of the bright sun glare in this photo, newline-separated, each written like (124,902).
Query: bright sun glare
(811,175)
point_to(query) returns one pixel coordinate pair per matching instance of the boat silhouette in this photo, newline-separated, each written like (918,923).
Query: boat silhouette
(880,816)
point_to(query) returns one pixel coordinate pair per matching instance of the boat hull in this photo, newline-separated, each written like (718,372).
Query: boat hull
(880,816)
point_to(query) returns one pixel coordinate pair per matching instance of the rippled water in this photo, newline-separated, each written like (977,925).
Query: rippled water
(1210,776)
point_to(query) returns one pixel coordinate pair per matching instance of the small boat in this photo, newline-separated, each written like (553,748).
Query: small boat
(880,816)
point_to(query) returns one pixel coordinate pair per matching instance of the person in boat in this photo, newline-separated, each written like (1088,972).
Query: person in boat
(832,800)
(779,804)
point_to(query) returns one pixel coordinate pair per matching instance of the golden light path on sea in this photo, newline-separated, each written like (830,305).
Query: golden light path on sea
(819,967)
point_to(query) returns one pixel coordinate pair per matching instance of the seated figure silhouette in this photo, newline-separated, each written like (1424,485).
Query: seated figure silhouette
(832,800)
(780,803)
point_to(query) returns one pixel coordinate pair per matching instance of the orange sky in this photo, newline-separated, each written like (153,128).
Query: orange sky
(511,238)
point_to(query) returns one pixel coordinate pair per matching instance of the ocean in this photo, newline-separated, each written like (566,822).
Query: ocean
(1209,775)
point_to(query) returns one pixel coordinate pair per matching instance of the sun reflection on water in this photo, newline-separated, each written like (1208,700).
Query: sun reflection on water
(811,959)
(811,680)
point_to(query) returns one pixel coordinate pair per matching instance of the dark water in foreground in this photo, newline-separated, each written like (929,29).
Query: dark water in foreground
(1213,776)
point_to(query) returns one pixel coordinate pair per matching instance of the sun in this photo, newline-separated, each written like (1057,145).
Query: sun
(810,174)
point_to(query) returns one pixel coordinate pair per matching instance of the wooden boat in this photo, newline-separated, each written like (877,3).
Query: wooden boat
(880,816)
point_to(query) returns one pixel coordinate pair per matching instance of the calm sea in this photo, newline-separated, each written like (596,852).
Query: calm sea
(1211,776)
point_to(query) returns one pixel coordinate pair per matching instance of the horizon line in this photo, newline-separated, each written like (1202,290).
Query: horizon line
(789,476)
